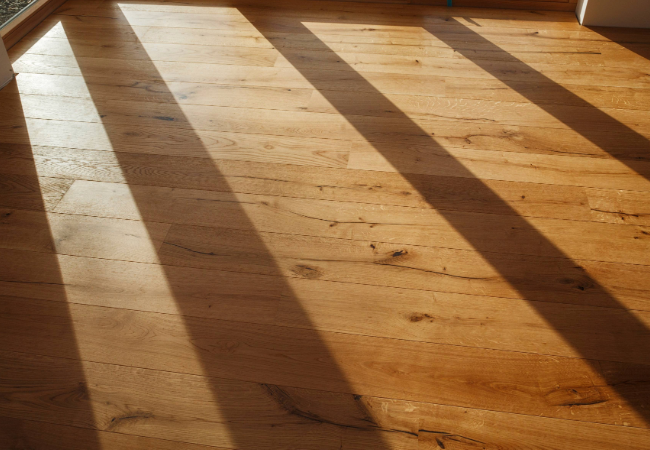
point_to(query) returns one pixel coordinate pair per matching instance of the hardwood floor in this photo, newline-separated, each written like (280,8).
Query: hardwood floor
(317,224)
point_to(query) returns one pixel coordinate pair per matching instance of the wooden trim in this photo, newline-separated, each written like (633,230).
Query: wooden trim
(34,16)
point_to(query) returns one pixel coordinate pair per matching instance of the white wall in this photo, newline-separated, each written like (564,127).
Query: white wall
(6,72)
(614,13)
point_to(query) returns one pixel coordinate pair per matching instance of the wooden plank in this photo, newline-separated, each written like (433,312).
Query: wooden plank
(199,117)
(104,89)
(508,70)
(407,266)
(473,321)
(542,5)
(351,220)
(24,191)
(208,122)
(549,93)
(61,233)
(448,193)
(619,206)
(361,262)
(146,287)
(403,425)
(221,74)
(625,124)
(506,166)
(550,386)
(241,56)
(23,432)
(182,142)
(249,48)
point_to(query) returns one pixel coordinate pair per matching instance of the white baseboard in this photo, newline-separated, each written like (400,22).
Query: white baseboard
(614,13)
(6,72)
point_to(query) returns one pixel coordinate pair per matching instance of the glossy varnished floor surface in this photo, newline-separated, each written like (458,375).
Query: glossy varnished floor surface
(320,225)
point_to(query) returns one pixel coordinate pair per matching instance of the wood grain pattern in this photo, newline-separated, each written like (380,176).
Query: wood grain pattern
(397,421)
(324,224)
(351,220)
(456,194)
(551,386)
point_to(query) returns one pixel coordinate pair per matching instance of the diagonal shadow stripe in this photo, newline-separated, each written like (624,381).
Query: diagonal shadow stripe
(607,133)
(627,38)
(220,308)
(558,279)
(58,385)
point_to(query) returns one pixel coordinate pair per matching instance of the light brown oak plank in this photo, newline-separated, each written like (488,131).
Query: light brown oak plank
(16,432)
(219,74)
(357,262)
(457,319)
(24,191)
(449,123)
(506,166)
(157,91)
(351,220)
(400,423)
(508,70)
(518,114)
(240,56)
(449,193)
(145,287)
(550,386)
(549,93)
(179,141)
(65,234)
(248,48)
(619,206)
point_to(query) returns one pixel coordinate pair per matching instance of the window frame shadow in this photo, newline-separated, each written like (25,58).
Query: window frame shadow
(576,277)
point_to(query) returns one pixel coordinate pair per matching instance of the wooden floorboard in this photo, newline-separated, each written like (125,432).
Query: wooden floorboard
(528,383)
(335,420)
(324,224)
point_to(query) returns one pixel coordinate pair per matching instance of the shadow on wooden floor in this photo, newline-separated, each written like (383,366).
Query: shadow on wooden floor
(237,348)
(626,37)
(555,279)
(608,134)
(63,393)
(248,360)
